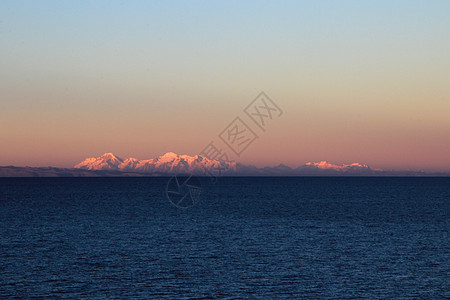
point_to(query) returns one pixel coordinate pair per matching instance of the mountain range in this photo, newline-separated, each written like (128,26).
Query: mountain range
(170,163)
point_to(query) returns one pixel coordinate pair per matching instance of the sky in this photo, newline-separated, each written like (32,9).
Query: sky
(357,81)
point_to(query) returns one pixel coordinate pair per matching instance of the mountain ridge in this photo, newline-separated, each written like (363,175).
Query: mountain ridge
(167,163)
(110,165)
(171,162)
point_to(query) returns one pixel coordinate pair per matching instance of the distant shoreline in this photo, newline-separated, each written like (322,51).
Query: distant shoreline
(30,172)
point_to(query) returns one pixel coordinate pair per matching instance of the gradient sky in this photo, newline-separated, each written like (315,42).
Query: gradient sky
(364,81)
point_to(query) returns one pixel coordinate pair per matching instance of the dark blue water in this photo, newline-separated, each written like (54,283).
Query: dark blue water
(245,238)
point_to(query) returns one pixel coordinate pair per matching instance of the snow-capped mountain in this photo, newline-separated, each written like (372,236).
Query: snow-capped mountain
(107,161)
(167,163)
(324,165)
(326,168)
(171,163)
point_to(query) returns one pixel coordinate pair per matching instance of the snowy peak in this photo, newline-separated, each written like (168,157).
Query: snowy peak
(169,155)
(129,164)
(111,158)
(107,161)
